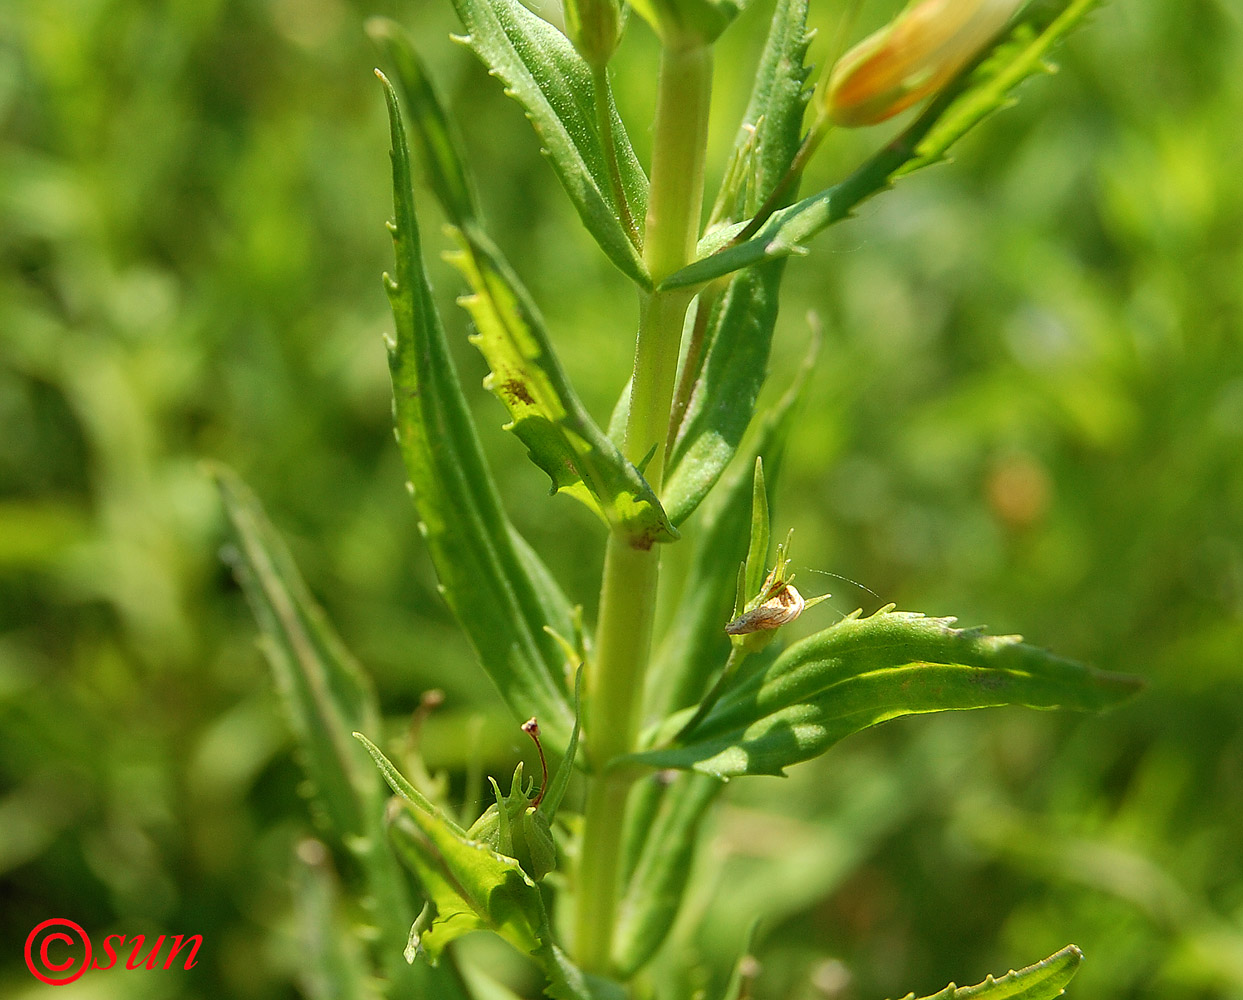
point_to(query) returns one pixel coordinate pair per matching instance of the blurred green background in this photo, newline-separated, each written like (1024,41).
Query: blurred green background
(1028,412)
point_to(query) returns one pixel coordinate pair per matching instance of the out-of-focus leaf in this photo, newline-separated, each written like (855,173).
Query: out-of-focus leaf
(863,671)
(658,882)
(543,72)
(729,370)
(696,645)
(548,417)
(1045,980)
(470,886)
(976,94)
(739,978)
(440,146)
(337,968)
(502,603)
(325,692)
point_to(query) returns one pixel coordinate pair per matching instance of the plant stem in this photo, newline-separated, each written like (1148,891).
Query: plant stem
(628,592)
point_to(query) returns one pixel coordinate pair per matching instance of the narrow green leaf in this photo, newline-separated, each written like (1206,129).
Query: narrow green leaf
(727,374)
(396,780)
(988,88)
(548,417)
(336,968)
(740,979)
(555,791)
(440,146)
(977,93)
(555,85)
(757,551)
(1046,980)
(470,886)
(863,671)
(568,982)
(526,376)
(494,584)
(658,883)
(325,693)
(695,646)
(734,369)
(771,128)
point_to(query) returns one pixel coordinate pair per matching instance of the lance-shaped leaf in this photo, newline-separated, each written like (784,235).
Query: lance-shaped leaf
(548,417)
(526,376)
(661,870)
(439,144)
(336,968)
(502,598)
(1046,980)
(470,886)
(556,87)
(325,693)
(695,645)
(728,361)
(976,94)
(769,135)
(863,671)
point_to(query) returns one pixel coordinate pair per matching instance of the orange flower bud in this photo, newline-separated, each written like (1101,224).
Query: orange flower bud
(913,56)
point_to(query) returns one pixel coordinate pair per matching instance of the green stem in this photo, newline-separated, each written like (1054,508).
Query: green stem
(615,678)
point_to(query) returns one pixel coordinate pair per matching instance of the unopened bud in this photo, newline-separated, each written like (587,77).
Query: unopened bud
(595,28)
(915,55)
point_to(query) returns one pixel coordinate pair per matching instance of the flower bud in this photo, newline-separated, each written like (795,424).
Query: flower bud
(595,28)
(913,56)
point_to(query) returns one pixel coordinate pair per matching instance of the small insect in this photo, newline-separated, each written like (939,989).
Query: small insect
(781,605)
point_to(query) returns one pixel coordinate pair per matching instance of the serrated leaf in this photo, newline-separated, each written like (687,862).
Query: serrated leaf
(548,417)
(440,146)
(470,886)
(1046,980)
(501,596)
(526,376)
(325,693)
(975,95)
(864,671)
(989,87)
(769,135)
(556,87)
(397,781)
(661,870)
(729,371)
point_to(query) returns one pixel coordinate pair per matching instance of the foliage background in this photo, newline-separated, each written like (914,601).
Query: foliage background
(1028,412)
